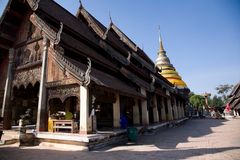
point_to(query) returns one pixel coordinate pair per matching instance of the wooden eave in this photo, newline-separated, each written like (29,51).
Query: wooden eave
(108,81)
(130,44)
(135,79)
(142,54)
(115,42)
(79,47)
(96,26)
(124,38)
(9,22)
(70,23)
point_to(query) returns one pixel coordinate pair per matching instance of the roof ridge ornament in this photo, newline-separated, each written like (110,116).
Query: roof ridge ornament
(33,4)
(58,35)
(87,78)
(81,4)
(111,22)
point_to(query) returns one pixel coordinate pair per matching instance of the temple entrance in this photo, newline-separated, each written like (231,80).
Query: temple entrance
(67,111)
(126,109)
(23,99)
(104,115)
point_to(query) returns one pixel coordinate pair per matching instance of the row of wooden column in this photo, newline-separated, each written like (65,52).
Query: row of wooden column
(175,111)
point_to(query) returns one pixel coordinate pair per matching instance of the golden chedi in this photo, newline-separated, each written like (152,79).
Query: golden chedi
(167,70)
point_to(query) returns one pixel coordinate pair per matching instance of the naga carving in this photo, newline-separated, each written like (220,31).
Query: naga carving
(152,83)
(87,73)
(67,65)
(33,4)
(50,33)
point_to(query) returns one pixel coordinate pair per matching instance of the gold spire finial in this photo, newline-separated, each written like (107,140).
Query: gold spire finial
(81,4)
(160,40)
(110,17)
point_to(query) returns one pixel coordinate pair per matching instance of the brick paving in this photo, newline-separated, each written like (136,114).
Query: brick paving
(197,139)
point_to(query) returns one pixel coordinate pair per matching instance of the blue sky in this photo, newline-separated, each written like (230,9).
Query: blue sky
(201,37)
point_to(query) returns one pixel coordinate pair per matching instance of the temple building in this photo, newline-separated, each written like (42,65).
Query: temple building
(234,100)
(78,76)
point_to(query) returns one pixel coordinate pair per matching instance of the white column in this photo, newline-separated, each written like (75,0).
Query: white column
(136,117)
(163,111)
(155,110)
(41,115)
(116,112)
(6,107)
(145,119)
(85,120)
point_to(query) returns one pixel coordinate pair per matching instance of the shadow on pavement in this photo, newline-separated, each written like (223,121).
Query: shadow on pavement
(171,137)
(161,145)
(14,153)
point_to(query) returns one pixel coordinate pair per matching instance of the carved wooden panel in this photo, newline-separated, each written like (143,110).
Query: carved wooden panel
(28,54)
(25,77)
(63,92)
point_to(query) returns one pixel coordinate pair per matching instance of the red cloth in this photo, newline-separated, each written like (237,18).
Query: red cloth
(228,107)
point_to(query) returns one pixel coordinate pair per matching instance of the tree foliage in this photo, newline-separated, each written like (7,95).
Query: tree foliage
(216,101)
(224,90)
(197,101)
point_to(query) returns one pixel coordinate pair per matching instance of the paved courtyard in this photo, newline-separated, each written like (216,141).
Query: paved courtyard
(198,139)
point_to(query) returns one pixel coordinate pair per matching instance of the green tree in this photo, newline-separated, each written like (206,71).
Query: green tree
(216,101)
(197,101)
(223,90)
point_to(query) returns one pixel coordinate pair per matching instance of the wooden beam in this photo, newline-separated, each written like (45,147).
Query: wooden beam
(10,25)
(7,37)
(4,46)
(16,14)
(135,79)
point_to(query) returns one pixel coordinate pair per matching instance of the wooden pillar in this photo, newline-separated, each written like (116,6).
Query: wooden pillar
(155,110)
(85,120)
(176,108)
(163,112)
(170,113)
(6,107)
(182,108)
(116,112)
(136,116)
(42,113)
(145,119)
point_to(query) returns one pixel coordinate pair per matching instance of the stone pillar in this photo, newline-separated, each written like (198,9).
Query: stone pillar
(116,112)
(85,120)
(145,119)
(6,107)
(155,110)
(136,117)
(163,112)
(42,108)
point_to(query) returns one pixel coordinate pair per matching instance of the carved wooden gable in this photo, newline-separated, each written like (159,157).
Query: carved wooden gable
(58,71)
(28,54)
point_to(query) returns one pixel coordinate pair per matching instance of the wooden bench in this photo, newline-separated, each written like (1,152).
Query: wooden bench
(63,124)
